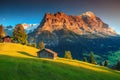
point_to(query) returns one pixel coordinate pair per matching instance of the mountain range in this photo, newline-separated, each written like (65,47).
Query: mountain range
(28,28)
(57,26)
(87,23)
(80,34)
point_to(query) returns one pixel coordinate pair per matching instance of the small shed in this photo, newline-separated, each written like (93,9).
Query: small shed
(7,39)
(47,53)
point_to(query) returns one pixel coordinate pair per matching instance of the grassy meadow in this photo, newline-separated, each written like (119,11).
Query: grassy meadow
(19,62)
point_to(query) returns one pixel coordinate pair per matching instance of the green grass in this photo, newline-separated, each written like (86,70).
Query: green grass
(23,65)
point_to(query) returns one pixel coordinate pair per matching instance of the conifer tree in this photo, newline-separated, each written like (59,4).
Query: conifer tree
(2,33)
(19,34)
(85,59)
(68,55)
(118,65)
(101,63)
(106,63)
(92,59)
(41,45)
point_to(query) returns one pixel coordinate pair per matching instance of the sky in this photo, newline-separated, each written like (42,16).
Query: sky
(13,12)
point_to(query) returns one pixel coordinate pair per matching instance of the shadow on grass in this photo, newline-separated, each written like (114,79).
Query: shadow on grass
(25,53)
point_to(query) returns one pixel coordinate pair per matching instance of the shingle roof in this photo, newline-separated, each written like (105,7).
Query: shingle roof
(6,37)
(48,50)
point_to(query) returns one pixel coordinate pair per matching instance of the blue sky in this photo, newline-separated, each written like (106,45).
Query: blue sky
(13,12)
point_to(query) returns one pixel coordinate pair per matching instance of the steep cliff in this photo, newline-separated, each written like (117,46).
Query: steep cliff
(87,23)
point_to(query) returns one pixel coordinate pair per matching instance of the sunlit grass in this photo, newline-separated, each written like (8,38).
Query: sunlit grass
(19,62)
(17,50)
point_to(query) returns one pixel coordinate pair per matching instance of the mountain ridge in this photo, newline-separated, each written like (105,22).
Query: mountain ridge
(86,23)
(92,35)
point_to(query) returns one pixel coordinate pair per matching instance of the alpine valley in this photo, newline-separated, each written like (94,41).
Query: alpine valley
(80,34)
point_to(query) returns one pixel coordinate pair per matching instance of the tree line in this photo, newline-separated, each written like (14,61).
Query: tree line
(92,60)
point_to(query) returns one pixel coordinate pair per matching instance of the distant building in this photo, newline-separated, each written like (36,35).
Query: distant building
(47,53)
(7,39)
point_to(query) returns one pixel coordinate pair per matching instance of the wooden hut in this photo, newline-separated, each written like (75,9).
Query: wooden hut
(47,53)
(7,39)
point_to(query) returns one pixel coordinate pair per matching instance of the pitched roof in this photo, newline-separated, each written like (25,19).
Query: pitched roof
(48,50)
(6,37)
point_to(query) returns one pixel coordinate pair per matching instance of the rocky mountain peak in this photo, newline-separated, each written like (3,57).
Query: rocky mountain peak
(86,23)
(25,25)
(89,14)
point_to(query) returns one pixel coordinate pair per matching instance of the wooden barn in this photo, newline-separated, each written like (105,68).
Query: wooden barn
(47,53)
(7,39)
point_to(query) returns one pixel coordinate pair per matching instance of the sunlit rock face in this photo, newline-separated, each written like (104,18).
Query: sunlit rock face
(57,28)
(80,34)
(86,23)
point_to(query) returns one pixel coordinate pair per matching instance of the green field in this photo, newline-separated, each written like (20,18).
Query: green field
(18,62)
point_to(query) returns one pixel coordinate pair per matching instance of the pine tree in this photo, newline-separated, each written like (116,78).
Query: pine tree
(85,59)
(118,65)
(68,55)
(106,63)
(2,33)
(19,34)
(101,63)
(92,60)
(41,45)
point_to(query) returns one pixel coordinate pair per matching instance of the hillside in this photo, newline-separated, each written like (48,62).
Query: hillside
(19,62)
(17,50)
